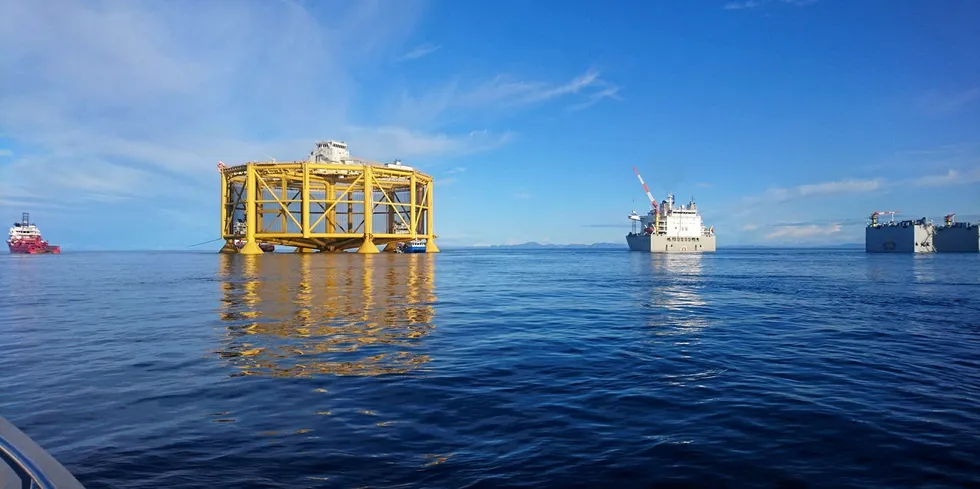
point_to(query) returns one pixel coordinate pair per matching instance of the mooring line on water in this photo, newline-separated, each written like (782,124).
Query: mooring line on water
(206,242)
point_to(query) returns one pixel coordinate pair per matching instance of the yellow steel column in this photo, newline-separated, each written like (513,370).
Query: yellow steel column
(430,241)
(413,218)
(331,197)
(305,220)
(224,204)
(251,208)
(229,246)
(306,200)
(282,213)
(368,247)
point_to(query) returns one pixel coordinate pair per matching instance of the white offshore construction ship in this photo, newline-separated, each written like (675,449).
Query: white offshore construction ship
(669,228)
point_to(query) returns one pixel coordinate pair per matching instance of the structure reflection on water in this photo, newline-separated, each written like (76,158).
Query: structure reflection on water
(677,297)
(300,315)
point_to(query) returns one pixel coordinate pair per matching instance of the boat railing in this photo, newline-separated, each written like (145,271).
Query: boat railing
(23,461)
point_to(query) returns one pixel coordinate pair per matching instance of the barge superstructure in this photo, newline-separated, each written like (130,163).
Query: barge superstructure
(669,228)
(957,237)
(920,235)
(906,236)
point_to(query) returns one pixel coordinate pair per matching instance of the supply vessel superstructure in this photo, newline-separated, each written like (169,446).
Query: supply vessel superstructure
(669,228)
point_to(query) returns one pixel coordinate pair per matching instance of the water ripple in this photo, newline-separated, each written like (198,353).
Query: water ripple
(497,368)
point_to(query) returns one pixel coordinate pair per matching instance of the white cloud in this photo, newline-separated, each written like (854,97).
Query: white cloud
(131,96)
(803,231)
(508,90)
(406,144)
(751,4)
(951,177)
(420,51)
(840,186)
(939,102)
(611,92)
(863,186)
(501,93)
(741,5)
(782,194)
(5,153)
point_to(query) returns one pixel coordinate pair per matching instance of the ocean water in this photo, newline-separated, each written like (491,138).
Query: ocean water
(497,368)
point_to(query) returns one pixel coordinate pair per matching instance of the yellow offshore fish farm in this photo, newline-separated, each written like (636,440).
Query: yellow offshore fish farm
(319,205)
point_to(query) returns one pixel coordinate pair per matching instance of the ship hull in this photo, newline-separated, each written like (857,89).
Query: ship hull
(33,250)
(670,244)
(958,239)
(900,238)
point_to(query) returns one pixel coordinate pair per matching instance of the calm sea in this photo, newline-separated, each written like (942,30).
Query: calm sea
(571,368)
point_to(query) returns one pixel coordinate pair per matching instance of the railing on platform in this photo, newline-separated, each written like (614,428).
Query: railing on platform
(24,464)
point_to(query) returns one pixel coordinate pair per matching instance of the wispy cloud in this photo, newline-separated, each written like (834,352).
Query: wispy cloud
(5,153)
(166,101)
(940,102)
(420,51)
(951,177)
(508,90)
(800,232)
(783,194)
(611,93)
(741,5)
(405,143)
(502,93)
(863,186)
(840,186)
(954,155)
(751,4)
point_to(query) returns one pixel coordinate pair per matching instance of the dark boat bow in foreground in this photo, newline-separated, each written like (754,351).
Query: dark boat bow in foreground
(24,463)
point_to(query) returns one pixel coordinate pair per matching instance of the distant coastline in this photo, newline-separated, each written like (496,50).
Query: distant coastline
(531,245)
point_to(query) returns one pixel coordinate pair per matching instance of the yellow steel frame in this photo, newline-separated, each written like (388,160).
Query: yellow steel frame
(260,190)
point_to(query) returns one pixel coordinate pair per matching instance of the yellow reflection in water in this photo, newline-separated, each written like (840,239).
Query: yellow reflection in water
(331,313)
(677,292)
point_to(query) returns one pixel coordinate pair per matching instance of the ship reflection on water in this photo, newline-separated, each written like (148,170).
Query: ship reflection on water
(340,314)
(681,308)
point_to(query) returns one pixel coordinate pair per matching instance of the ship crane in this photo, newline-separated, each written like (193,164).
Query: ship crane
(875,214)
(653,202)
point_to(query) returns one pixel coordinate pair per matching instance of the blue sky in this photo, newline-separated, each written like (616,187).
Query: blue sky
(789,121)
